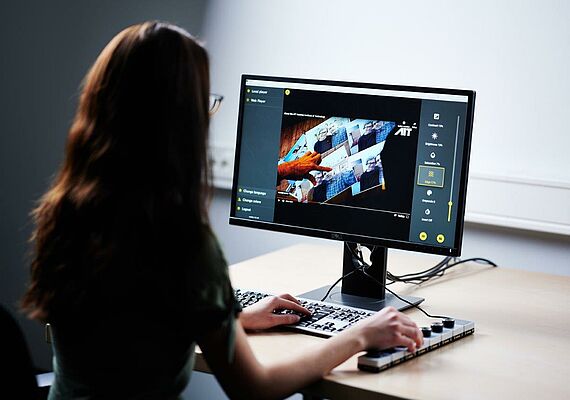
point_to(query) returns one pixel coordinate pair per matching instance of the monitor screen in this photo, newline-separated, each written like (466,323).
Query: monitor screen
(367,163)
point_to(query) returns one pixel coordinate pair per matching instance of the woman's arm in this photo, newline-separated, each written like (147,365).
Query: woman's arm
(245,377)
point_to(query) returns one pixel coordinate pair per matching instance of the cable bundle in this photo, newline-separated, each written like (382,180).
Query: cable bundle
(436,271)
(416,278)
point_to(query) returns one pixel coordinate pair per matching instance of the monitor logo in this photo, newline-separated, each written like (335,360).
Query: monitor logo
(403,131)
(336,236)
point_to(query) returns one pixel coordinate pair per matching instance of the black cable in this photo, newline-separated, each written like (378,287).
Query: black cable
(336,283)
(345,275)
(416,278)
(478,260)
(401,298)
(420,275)
(435,267)
(434,272)
(430,273)
(364,266)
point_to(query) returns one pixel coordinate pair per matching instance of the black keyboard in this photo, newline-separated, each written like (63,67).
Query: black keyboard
(326,319)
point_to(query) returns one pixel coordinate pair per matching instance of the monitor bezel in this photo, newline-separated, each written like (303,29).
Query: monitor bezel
(349,237)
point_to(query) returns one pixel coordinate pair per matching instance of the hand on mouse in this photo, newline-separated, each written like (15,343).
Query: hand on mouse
(261,315)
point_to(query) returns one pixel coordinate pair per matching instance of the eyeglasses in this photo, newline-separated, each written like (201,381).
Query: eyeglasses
(215,101)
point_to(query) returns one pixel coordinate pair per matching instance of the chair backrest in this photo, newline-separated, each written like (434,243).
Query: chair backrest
(18,374)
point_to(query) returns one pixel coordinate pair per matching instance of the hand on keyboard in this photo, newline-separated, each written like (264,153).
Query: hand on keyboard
(272,311)
(389,336)
(325,319)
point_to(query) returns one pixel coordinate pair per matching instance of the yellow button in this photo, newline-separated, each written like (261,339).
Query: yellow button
(423,236)
(440,238)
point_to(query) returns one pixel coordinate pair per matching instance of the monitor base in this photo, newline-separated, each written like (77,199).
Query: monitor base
(367,303)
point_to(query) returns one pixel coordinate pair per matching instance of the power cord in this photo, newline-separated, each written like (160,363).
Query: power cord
(416,278)
(337,281)
(435,272)
(364,266)
(423,276)
(404,300)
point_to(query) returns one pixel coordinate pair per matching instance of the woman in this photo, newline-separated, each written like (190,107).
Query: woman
(126,268)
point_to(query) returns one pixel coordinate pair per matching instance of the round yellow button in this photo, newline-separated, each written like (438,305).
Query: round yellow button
(423,236)
(440,238)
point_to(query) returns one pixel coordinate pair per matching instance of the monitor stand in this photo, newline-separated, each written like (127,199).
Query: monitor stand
(359,290)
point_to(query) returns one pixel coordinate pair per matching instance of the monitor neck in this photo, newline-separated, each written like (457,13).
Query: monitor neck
(357,283)
(359,289)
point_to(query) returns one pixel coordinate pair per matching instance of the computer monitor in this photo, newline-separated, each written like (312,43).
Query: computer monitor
(392,170)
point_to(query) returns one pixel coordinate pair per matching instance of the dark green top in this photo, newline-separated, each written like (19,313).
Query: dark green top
(139,343)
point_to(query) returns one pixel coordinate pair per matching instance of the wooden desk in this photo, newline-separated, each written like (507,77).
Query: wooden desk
(520,349)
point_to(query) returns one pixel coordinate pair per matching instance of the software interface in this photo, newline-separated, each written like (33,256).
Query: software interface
(394,160)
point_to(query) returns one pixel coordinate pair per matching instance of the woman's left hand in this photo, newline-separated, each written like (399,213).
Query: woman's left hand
(262,315)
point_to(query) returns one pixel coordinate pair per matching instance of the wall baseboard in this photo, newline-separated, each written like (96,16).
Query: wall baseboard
(514,202)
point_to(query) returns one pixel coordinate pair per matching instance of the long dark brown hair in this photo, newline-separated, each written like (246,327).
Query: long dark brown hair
(133,187)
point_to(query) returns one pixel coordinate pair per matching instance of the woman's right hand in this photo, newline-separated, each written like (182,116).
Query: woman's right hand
(388,328)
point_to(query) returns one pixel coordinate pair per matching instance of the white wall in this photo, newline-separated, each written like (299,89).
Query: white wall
(510,248)
(515,54)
